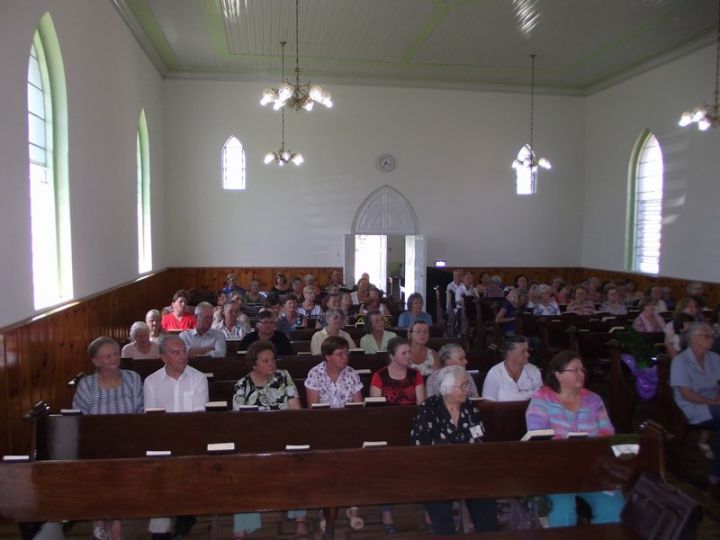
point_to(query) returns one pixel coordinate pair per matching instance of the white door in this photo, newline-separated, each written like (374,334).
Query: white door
(414,265)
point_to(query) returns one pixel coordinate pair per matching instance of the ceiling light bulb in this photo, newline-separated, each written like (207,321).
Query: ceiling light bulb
(278,105)
(285,92)
(327,102)
(269,157)
(685,119)
(704,124)
(285,155)
(268,96)
(698,114)
(316,93)
(544,163)
(308,105)
(297,159)
(281,163)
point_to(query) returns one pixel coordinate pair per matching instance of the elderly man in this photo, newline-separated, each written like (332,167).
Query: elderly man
(176,387)
(266,330)
(203,340)
(231,326)
(466,288)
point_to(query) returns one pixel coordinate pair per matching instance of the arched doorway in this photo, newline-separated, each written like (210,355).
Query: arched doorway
(383,220)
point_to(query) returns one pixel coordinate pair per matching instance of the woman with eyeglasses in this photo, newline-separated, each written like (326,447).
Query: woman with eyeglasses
(564,405)
(694,376)
(513,379)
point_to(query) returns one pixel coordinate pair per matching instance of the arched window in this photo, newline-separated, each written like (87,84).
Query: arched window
(525,178)
(47,171)
(646,195)
(143,197)
(233,164)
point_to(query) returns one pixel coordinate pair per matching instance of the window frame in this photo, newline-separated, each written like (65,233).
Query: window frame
(227,183)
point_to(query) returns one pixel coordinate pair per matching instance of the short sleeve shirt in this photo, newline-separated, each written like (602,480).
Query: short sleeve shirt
(336,393)
(685,371)
(274,395)
(398,392)
(432,424)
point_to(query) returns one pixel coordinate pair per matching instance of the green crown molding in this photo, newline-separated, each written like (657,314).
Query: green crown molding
(145,16)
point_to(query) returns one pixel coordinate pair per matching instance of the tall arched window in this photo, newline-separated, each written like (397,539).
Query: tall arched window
(646,195)
(143,197)
(47,171)
(525,178)
(233,164)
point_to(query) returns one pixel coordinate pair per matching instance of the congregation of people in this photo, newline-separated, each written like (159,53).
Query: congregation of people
(436,382)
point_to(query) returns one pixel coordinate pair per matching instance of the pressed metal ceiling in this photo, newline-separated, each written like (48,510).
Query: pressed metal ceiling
(581,45)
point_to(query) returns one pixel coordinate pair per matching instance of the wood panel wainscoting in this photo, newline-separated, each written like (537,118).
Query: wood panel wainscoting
(38,356)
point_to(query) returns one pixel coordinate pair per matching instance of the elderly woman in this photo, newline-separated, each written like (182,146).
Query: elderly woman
(512,308)
(110,390)
(280,286)
(654,293)
(513,379)
(545,305)
(309,309)
(335,321)
(153,319)
(179,318)
(270,389)
(448,418)
(414,311)
(373,301)
(231,325)
(422,357)
(231,285)
(495,288)
(377,338)
(694,376)
(253,296)
(360,296)
(580,303)
(612,304)
(140,346)
(648,320)
(564,405)
(450,354)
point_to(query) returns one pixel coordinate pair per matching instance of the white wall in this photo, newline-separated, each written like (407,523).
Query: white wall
(614,120)
(453,151)
(109,79)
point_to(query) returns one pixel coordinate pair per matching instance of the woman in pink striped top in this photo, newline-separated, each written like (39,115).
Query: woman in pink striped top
(564,405)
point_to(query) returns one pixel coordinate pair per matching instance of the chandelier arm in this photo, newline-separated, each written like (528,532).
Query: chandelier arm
(717,69)
(532,106)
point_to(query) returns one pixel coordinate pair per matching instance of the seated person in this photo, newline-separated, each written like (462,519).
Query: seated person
(335,282)
(450,354)
(253,294)
(694,376)
(231,285)
(179,318)
(360,295)
(580,303)
(648,320)
(332,381)
(422,357)
(466,288)
(564,405)
(232,325)
(110,390)
(222,299)
(513,379)
(495,289)
(686,306)
(153,318)
(373,301)
(377,338)
(203,340)
(654,293)
(513,307)
(448,418)
(308,308)
(266,330)
(289,318)
(633,296)
(612,304)
(544,304)
(332,300)
(414,311)
(335,321)
(140,346)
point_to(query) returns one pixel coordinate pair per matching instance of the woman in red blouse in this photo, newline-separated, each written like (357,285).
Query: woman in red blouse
(178,318)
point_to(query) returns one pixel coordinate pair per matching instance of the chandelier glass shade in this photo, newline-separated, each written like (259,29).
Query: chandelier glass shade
(707,116)
(296,96)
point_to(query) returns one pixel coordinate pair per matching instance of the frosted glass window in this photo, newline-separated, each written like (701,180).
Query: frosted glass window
(647,211)
(233,164)
(525,178)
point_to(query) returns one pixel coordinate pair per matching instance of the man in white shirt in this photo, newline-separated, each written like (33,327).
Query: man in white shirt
(455,283)
(176,387)
(466,288)
(203,340)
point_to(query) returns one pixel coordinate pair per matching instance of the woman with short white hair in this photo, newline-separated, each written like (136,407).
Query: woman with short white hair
(448,418)
(141,346)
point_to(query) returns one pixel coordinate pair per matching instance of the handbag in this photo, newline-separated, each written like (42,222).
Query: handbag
(658,511)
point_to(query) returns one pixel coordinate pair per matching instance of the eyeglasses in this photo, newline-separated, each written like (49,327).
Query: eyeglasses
(575,371)
(464,386)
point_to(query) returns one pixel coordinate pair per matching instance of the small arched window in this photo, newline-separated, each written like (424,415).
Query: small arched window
(47,169)
(646,197)
(143,197)
(233,164)
(525,177)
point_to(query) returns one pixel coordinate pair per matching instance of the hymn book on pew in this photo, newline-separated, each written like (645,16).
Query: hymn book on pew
(351,404)
(363,371)
(216,406)
(375,401)
(15,458)
(70,412)
(296,447)
(154,410)
(374,444)
(539,435)
(578,435)
(158,453)
(221,448)
(320,406)
(248,408)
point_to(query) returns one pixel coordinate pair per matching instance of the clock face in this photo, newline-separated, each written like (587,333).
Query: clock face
(385,163)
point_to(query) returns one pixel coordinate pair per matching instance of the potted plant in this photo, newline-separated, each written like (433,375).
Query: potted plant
(641,357)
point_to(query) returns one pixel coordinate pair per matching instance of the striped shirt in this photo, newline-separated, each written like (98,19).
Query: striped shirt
(126,398)
(546,411)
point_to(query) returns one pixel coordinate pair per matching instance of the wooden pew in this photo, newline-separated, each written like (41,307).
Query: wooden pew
(131,435)
(143,487)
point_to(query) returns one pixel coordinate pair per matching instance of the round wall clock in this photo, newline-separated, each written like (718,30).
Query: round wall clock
(385,163)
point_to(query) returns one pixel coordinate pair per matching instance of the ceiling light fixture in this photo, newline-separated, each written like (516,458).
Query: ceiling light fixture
(530,161)
(283,156)
(707,116)
(297,96)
